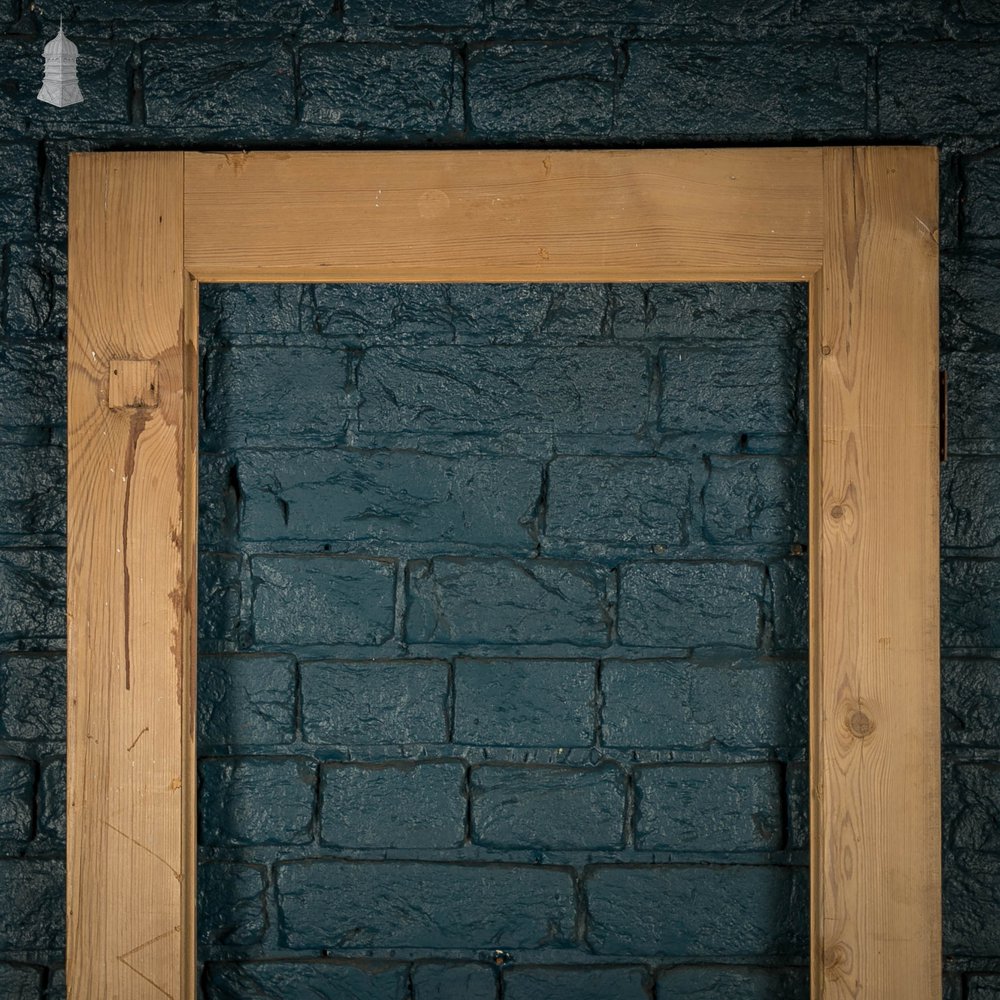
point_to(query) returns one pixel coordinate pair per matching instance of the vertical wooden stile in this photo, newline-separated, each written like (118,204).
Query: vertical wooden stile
(874,590)
(130,582)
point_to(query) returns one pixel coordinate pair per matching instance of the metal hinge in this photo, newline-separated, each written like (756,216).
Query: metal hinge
(943,413)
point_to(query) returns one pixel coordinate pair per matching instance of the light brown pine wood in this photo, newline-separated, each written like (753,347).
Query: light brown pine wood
(859,224)
(130,596)
(630,215)
(875,744)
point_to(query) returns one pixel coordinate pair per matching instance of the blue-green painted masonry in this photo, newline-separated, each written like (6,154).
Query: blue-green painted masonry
(468,554)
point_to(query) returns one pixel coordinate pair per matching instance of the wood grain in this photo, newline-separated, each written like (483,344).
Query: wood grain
(663,215)
(130,586)
(875,723)
(859,223)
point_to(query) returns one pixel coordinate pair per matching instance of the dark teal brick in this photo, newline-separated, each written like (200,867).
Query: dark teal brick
(32,594)
(548,807)
(970,692)
(790,596)
(677,703)
(500,390)
(690,604)
(32,384)
(222,85)
(33,914)
(57,985)
(399,13)
(349,496)
(313,980)
(218,502)
(983,987)
(219,597)
(33,697)
(674,89)
(542,89)
(618,501)
(547,703)
(744,14)
(970,316)
(732,983)
(971,905)
(797,782)
(303,599)
(752,314)
(739,910)
(981,203)
(973,390)
(231,904)
(760,499)
(334,904)
(696,807)
(361,703)
(20,982)
(265,310)
(276,396)
(52,802)
(970,503)
(435,981)
(566,983)
(972,805)
(530,313)
(942,88)
(32,491)
(369,89)
(19,181)
(393,805)
(17,791)
(256,800)
(31,292)
(970,591)
(246,700)
(504,601)
(386,313)
(729,388)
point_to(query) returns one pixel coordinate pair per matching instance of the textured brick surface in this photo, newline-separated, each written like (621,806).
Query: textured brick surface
(365,703)
(575,984)
(282,980)
(230,904)
(246,700)
(686,90)
(433,981)
(507,601)
(17,790)
(525,90)
(708,808)
(409,905)
(20,982)
(33,697)
(323,599)
(358,497)
(475,390)
(675,703)
(33,916)
(549,807)
(740,910)
(690,604)
(618,502)
(394,805)
(363,90)
(256,801)
(525,702)
(731,984)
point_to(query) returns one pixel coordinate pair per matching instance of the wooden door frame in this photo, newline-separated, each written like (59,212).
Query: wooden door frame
(859,224)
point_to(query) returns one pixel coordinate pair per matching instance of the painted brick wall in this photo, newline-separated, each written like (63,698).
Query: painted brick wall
(540,614)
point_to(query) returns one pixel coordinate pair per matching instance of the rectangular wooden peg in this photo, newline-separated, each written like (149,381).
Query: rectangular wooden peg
(132,384)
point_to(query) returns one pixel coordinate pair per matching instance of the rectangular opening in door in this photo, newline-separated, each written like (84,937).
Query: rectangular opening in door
(502,673)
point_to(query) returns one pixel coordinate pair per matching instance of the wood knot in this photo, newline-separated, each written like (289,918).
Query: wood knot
(860,723)
(836,512)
